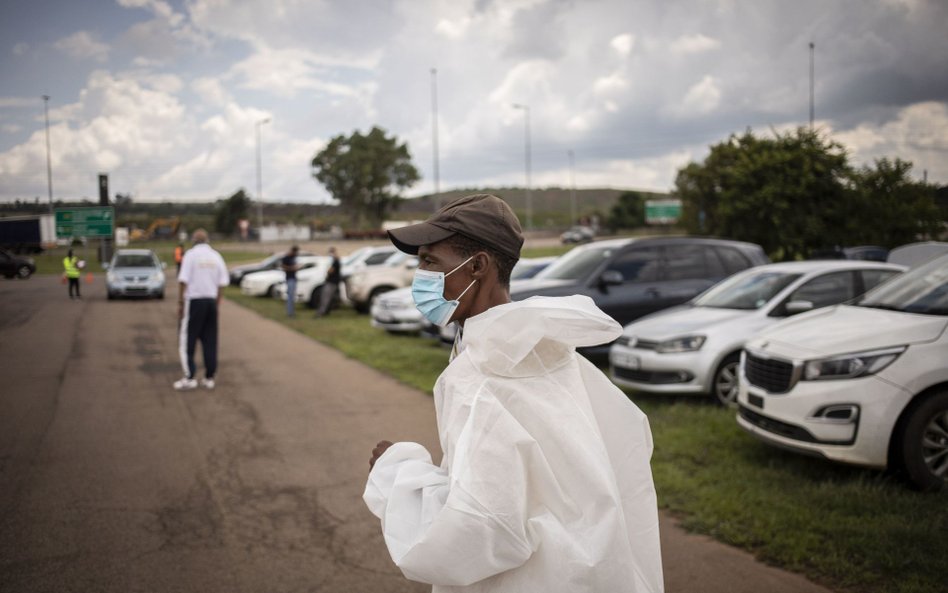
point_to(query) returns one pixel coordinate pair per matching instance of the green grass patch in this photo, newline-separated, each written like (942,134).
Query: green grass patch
(846,527)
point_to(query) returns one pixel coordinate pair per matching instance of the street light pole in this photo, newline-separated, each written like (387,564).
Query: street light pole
(812,107)
(434,136)
(572,188)
(49,162)
(260,180)
(526,129)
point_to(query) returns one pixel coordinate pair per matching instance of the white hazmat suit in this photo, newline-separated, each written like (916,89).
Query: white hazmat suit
(545,484)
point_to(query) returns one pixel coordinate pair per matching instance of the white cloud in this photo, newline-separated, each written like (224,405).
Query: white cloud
(623,44)
(83,45)
(452,29)
(702,98)
(694,44)
(211,91)
(918,133)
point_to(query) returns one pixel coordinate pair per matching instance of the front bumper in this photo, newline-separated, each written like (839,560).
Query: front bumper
(397,320)
(650,371)
(847,420)
(139,289)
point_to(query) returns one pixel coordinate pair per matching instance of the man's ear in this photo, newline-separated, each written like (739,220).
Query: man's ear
(480,264)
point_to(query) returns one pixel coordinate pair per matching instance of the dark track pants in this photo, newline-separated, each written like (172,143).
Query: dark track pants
(199,323)
(74,286)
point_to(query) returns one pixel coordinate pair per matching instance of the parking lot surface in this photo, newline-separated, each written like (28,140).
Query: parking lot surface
(112,481)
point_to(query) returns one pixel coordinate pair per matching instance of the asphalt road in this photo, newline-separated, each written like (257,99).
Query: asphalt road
(112,481)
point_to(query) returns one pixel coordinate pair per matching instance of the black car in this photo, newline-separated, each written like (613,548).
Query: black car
(272,262)
(16,266)
(630,278)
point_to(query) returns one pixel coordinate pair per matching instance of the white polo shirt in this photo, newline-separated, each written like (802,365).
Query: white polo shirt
(203,272)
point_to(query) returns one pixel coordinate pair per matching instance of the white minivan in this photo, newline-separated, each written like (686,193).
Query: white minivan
(865,384)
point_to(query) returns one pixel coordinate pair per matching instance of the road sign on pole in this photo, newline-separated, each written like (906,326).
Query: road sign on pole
(662,211)
(85,222)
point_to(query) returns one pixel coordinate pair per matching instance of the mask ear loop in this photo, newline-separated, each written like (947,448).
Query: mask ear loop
(466,289)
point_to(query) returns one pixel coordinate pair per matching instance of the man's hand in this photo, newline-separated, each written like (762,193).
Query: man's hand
(377,452)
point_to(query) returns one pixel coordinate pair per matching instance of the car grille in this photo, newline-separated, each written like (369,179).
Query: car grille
(637,343)
(783,429)
(135,278)
(776,376)
(652,377)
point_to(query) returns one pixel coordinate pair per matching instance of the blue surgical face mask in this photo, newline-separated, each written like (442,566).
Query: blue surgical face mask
(427,290)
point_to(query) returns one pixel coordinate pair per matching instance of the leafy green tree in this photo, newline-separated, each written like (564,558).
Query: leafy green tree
(227,212)
(628,212)
(889,208)
(787,193)
(365,173)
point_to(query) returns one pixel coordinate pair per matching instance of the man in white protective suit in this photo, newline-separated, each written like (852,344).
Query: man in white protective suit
(545,484)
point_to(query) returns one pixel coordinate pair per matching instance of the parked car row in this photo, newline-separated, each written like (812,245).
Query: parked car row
(840,358)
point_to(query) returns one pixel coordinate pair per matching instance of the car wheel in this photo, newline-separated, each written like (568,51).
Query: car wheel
(110,296)
(724,388)
(160,296)
(924,443)
(269,293)
(23,272)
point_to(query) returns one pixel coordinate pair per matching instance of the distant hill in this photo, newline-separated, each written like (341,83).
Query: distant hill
(551,205)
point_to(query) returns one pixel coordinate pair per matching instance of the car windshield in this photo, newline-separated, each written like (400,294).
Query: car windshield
(354,256)
(920,290)
(134,260)
(576,264)
(746,291)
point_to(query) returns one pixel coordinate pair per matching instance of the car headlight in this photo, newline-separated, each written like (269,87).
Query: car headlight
(111,276)
(157,277)
(685,344)
(850,366)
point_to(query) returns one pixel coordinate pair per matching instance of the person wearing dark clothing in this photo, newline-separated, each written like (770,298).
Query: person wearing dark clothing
(331,286)
(289,266)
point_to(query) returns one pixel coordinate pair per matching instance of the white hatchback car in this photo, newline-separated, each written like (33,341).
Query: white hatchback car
(263,283)
(695,348)
(865,384)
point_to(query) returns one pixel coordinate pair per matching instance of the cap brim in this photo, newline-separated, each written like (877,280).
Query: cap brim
(410,238)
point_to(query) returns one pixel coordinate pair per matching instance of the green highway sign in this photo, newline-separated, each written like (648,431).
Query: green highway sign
(662,211)
(85,222)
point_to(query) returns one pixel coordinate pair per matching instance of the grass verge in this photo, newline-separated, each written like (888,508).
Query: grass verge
(849,528)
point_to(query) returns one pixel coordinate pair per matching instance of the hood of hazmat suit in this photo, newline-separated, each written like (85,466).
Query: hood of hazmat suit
(545,484)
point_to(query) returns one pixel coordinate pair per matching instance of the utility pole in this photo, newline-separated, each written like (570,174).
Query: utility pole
(260,180)
(572,188)
(49,162)
(434,136)
(812,108)
(526,128)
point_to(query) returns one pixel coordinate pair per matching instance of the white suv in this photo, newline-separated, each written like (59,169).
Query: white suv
(865,384)
(397,272)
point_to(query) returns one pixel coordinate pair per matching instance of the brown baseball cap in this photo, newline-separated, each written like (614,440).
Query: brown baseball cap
(485,218)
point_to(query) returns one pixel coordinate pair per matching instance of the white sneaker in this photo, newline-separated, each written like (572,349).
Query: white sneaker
(207,383)
(185,384)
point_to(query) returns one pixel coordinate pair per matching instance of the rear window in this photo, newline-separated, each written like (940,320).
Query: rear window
(134,261)
(734,260)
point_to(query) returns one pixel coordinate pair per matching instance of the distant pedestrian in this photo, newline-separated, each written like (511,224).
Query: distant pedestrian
(331,286)
(203,274)
(289,265)
(72,273)
(178,256)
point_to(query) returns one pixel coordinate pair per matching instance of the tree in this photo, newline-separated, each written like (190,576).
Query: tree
(365,173)
(628,212)
(890,208)
(228,212)
(787,193)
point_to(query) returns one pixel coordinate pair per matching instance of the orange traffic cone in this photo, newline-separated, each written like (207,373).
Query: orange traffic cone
(89,278)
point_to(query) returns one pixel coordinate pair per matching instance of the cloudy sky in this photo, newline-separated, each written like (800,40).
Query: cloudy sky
(165,96)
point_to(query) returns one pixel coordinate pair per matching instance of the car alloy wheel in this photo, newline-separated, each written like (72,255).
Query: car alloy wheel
(726,384)
(23,272)
(924,440)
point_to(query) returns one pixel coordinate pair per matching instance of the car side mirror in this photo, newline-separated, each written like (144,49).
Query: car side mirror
(105,265)
(164,266)
(796,307)
(611,278)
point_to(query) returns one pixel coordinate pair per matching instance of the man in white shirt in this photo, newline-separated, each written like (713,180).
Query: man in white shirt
(545,484)
(203,274)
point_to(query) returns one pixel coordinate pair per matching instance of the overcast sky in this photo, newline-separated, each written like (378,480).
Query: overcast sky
(165,96)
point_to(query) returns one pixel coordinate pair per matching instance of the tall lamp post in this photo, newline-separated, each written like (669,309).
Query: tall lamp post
(260,180)
(434,137)
(572,187)
(812,107)
(526,134)
(49,162)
